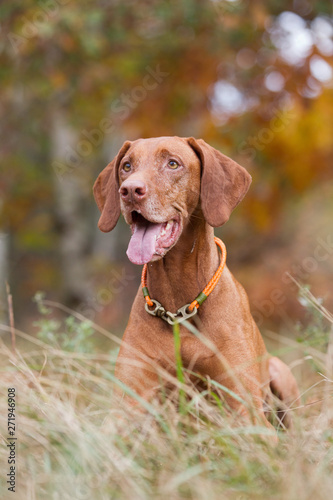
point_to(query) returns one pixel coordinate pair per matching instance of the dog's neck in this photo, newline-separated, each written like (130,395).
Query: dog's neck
(186,269)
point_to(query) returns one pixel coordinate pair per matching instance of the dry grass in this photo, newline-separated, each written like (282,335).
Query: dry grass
(76,441)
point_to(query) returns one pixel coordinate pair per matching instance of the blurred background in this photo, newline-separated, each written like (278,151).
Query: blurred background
(252,78)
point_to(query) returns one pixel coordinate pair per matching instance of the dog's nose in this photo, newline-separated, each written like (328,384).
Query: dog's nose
(133,190)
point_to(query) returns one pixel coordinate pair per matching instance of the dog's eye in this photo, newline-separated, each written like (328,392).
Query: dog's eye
(173,164)
(127,166)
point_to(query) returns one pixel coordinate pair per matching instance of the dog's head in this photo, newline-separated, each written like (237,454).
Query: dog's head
(159,183)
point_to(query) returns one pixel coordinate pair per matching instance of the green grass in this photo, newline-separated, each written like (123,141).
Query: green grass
(76,440)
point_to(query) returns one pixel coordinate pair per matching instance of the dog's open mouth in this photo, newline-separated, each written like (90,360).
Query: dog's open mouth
(150,239)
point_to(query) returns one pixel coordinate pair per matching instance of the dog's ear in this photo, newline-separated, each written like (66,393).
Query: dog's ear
(224,183)
(106,192)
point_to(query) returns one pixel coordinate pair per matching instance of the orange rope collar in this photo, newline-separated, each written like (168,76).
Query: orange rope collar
(190,309)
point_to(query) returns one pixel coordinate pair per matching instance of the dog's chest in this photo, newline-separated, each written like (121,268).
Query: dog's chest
(194,353)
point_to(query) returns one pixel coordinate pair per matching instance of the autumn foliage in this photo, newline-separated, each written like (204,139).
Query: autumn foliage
(253,79)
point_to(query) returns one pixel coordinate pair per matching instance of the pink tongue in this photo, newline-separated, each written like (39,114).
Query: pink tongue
(142,246)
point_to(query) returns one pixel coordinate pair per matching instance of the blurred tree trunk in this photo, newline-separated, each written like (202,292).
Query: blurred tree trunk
(71,213)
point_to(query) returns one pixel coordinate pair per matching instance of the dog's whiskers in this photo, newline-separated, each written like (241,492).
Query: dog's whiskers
(180,209)
(199,217)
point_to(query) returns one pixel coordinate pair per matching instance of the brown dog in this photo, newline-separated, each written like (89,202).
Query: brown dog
(172,191)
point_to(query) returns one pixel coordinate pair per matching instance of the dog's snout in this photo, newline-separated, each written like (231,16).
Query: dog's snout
(133,190)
